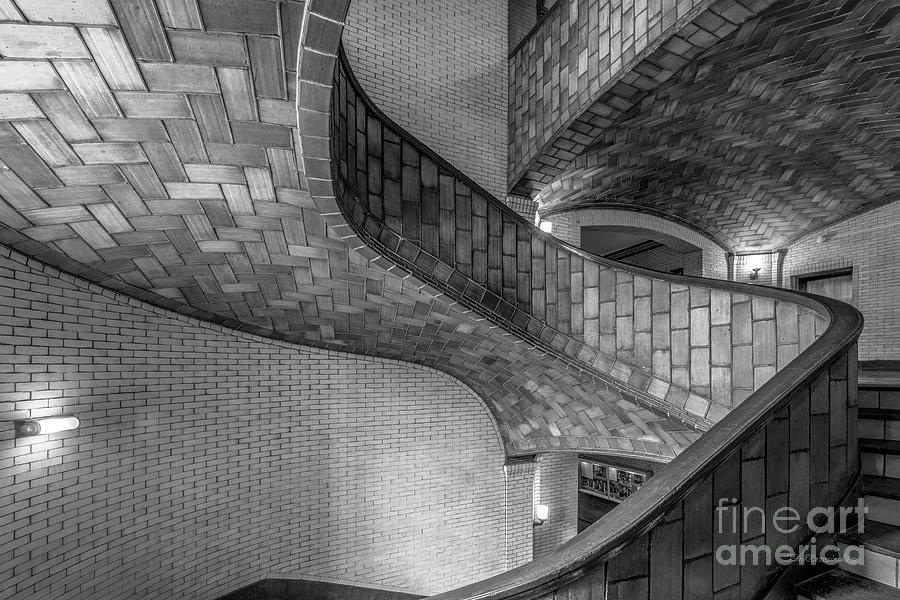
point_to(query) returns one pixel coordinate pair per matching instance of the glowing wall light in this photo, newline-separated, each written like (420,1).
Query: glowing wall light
(45,425)
(546,226)
(755,263)
(541,514)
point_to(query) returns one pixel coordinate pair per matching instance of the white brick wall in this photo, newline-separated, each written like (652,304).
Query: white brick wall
(667,259)
(209,458)
(439,69)
(870,244)
(559,491)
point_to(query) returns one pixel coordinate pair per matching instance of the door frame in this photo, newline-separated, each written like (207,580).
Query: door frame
(798,280)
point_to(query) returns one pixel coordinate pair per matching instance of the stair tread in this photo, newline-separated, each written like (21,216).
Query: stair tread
(840,585)
(886,487)
(876,378)
(879,446)
(878,537)
(880,414)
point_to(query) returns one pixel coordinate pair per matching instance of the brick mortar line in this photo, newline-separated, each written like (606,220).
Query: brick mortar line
(98,288)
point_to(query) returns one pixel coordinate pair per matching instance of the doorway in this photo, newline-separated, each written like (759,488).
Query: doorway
(837,284)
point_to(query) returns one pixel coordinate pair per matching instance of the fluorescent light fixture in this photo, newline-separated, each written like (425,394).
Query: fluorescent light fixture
(541,514)
(45,425)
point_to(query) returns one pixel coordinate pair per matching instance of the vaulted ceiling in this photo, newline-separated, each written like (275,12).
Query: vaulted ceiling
(788,125)
(152,146)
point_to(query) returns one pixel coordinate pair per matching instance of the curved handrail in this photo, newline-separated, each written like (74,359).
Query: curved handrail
(649,505)
(518,218)
(831,356)
(646,507)
(512,308)
(756,290)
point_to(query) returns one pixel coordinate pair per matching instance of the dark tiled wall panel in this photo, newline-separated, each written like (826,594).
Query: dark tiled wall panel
(208,459)
(292,589)
(694,350)
(589,62)
(804,457)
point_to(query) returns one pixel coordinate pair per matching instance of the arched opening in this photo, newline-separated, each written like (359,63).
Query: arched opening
(618,234)
(643,248)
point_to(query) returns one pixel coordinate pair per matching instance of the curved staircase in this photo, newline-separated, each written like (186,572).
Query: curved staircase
(879,577)
(786,426)
(181,186)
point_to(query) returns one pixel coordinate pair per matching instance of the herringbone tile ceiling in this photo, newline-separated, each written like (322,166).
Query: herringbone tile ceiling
(151,146)
(786,126)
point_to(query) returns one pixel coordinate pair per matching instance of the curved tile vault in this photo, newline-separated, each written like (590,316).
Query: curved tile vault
(153,148)
(589,62)
(785,127)
(694,348)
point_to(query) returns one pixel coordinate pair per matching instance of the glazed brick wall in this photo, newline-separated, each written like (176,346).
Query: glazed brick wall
(208,458)
(667,259)
(439,69)
(526,207)
(870,244)
(522,17)
(579,48)
(521,478)
(719,345)
(768,272)
(558,489)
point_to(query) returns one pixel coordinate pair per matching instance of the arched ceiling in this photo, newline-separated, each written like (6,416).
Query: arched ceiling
(788,125)
(152,146)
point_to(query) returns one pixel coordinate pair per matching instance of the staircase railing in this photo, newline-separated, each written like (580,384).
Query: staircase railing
(790,374)
(693,348)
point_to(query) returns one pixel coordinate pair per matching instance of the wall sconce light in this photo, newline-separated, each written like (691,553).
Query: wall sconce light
(755,263)
(546,226)
(541,514)
(45,425)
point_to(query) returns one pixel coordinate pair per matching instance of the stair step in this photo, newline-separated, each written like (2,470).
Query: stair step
(874,446)
(878,379)
(877,537)
(885,487)
(880,414)
(840,585)
(879,374)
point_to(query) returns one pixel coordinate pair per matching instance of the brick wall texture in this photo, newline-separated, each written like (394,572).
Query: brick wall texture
(522,17)
(667,259)
(439,69)
(209,458)
(558,489)
(870,244)
(577,50)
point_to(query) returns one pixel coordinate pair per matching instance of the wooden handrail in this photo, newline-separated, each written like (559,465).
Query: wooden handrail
(649,506)
(739,441)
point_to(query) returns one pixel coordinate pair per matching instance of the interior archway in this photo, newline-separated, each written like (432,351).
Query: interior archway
(570,225)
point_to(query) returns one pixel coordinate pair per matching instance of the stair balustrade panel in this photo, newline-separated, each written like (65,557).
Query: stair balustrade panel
(690,347)
(791,442)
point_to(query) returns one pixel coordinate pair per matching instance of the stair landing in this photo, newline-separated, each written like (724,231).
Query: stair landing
(840,585)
